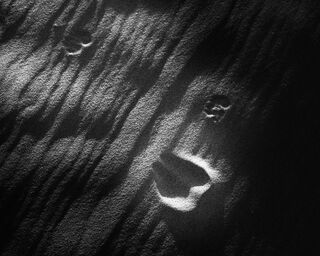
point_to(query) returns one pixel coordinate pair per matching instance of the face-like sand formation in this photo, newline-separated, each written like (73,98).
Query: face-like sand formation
(154,127)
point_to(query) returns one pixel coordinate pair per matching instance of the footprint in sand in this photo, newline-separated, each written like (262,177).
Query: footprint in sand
(181,180)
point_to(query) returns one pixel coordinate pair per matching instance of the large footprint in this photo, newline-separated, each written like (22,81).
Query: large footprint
(182,179)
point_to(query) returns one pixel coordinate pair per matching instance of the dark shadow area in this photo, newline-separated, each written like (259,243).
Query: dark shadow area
(199,232)
(167,184)
(174,176)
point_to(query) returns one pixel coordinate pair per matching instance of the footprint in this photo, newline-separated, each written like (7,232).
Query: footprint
(216,107)
(84,36)
(181,180)
(75,42)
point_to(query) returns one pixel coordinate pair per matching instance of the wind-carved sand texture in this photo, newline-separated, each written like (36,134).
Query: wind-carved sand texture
(159,127)
(182,179)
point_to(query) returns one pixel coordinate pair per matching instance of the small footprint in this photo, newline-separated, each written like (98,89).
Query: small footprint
(181,180)
(75,42)
(216,107)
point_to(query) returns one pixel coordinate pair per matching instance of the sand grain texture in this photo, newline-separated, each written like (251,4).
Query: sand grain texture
(94,93)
